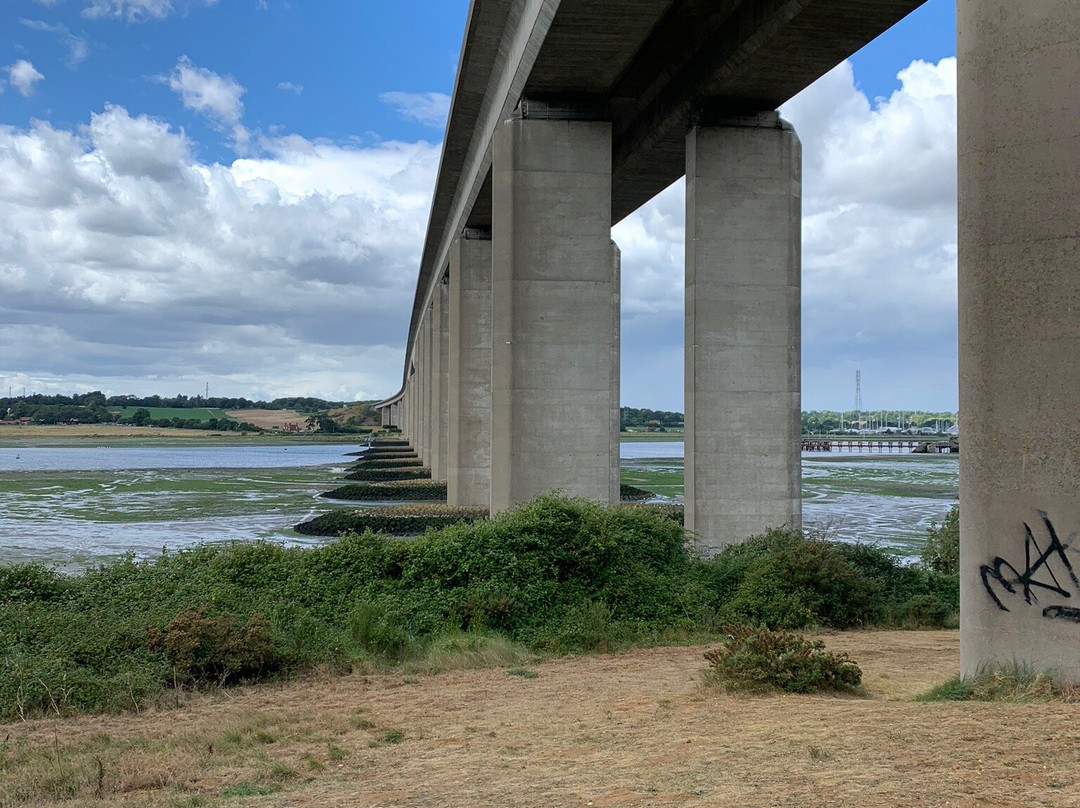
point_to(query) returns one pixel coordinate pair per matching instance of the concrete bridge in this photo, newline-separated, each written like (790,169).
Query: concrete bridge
(568,115)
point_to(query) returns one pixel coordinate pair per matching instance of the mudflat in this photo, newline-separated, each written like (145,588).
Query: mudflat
(634,729)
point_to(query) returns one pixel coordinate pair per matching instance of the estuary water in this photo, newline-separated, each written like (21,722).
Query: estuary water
(74,506)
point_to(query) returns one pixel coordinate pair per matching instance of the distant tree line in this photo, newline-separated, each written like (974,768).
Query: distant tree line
(634,418)
(97,408)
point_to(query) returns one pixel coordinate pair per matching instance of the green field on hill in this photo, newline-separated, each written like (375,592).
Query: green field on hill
(185,413)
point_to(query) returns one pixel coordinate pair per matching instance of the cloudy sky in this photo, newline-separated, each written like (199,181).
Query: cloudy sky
(235,192)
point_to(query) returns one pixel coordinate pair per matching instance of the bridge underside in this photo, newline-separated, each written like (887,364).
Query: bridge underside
(598,105)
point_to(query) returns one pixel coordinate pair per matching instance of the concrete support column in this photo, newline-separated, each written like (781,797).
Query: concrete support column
(742,378)
(469,444)
(615,428)
(1019,308)
(384,416)
(440,335)
(424,390)
(552,311)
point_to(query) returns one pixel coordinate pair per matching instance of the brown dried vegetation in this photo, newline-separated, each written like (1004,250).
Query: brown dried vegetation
(638,729)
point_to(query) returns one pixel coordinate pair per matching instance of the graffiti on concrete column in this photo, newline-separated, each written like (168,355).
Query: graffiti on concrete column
(1046,570)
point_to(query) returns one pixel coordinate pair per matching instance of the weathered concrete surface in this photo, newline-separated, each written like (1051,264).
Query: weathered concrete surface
(440,380)
(616,369)
(554,306)
(469,461)
(1019,301)
(742,385)
(423,373)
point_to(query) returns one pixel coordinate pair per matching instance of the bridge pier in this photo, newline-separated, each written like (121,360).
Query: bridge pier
(440,379)
(554,309)
(469,445)
(1019,330)
(742,376)
(423,375)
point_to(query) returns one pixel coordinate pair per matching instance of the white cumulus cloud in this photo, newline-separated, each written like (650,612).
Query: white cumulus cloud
(24,77)
(215,97)
(290,87)
(429,109)
(127,263)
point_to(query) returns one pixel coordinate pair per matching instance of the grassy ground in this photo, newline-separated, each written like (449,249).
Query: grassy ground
(637,729)
(186,413)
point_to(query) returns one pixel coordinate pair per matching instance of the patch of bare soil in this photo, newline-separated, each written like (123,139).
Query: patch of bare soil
(638,729)
(269,419)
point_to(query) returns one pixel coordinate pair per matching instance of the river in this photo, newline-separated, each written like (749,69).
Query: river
(74,506)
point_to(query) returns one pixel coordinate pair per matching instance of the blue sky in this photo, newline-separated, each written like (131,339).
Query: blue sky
(235,192)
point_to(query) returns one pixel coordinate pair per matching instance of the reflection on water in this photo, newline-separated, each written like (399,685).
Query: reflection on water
(74,506)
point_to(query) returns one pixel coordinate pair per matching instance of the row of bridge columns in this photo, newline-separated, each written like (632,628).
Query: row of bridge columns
(513,387)
(533,330)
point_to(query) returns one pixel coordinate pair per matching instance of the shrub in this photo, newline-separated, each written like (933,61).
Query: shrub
(751,658)
(784,580)
(941,553)
(204,649)
(31,582)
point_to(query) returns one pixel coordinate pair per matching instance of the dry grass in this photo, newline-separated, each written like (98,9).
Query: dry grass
(637,729)
(268,419)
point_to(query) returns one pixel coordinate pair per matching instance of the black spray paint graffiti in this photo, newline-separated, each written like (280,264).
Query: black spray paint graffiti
(1038,575)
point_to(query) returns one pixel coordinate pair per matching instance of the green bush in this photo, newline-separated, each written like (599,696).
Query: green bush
(398,491)
(31,582)
(941,553)
(784,580)
(754,658)
(553,575)
(391,474)
(392,520)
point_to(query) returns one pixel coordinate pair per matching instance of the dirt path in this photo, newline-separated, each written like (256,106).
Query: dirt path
(632,730)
